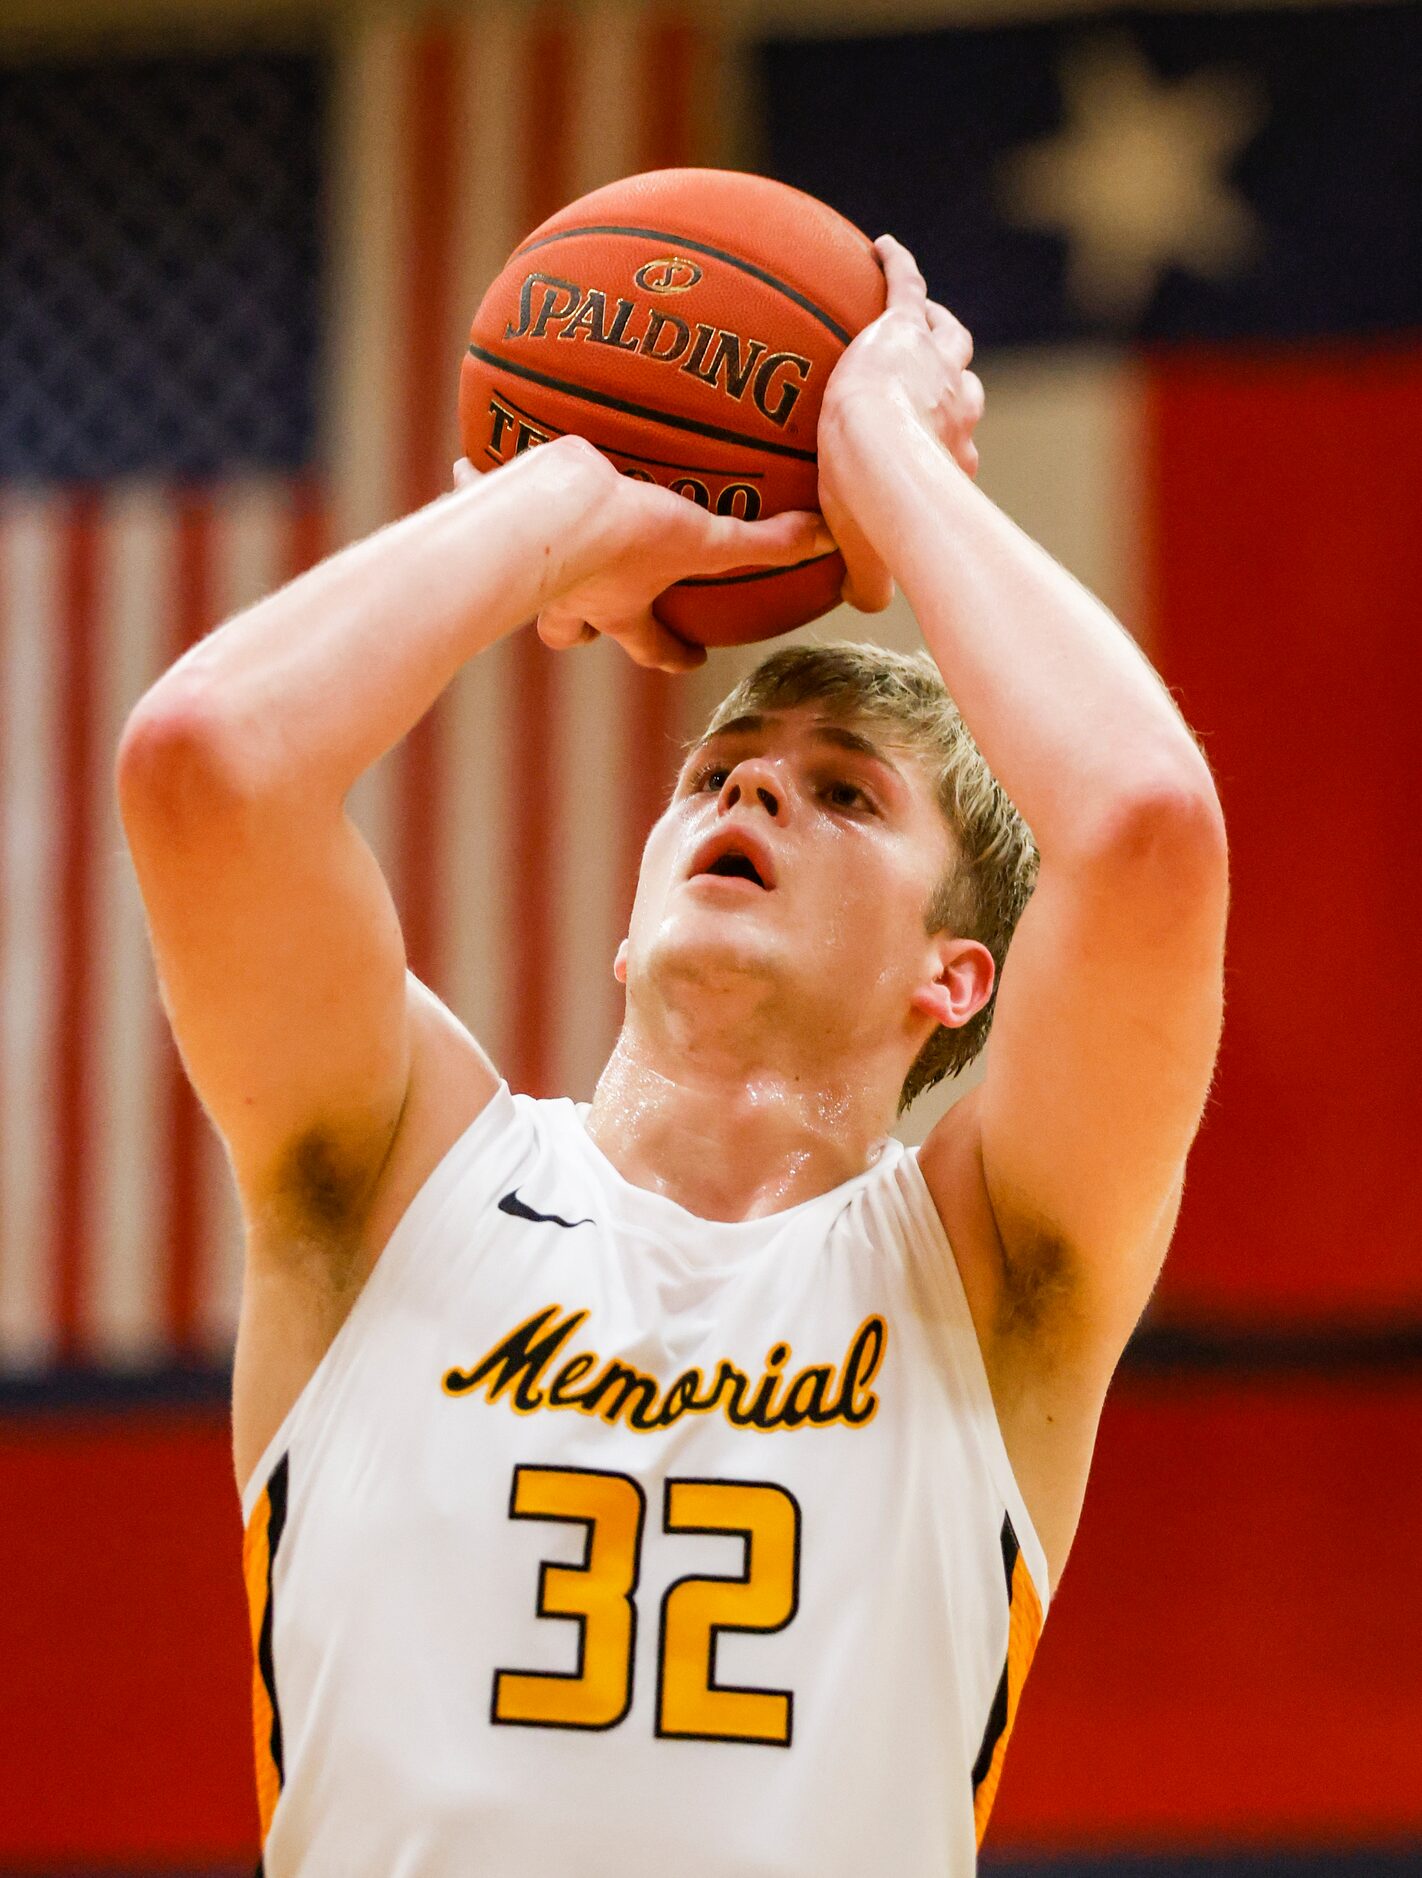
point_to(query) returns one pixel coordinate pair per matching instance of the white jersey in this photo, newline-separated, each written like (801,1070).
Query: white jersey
(613,1540)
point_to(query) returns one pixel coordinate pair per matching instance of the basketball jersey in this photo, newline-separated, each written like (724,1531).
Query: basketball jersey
(610,1539)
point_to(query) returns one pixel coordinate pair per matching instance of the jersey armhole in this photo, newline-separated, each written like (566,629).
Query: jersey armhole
(393,1271)
(972,1370)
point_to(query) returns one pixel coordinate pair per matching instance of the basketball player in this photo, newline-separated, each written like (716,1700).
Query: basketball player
(676,1484)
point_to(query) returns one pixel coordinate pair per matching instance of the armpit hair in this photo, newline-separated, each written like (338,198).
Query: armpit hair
(319,1196)
(1039,1291)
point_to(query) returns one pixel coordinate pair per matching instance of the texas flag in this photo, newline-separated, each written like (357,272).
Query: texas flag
(1188,247)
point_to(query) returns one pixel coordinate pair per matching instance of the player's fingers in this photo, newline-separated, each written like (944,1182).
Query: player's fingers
(966,456)
(972,398)
(783,541)
(907,287)
(559,628)
(644,638)
(867,585)
(464,473)
(868,589)
(950,335)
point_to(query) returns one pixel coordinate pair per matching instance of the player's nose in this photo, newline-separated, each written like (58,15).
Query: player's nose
(752,784)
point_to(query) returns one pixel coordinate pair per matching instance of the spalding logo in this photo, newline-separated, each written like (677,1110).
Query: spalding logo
(671,273)
(550,307)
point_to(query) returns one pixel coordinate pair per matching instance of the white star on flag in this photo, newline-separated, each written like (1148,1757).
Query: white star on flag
(1137,178)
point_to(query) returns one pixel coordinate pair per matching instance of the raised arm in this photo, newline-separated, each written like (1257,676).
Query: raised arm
(279,953)
(1108,1012)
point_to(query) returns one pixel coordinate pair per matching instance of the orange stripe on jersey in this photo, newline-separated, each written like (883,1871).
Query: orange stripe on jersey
(259,1550)
(1024,1626)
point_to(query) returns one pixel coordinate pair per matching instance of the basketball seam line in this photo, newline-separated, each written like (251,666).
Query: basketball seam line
(714,431)
(761,573)
(700,247)
(660,462)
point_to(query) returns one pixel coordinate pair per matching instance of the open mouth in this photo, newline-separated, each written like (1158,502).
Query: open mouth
(730,853)
(734,867)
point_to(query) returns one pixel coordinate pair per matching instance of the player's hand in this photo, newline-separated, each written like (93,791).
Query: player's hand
(913,359)
(641,540)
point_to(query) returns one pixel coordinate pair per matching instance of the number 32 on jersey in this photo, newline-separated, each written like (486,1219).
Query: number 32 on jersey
(598,1594)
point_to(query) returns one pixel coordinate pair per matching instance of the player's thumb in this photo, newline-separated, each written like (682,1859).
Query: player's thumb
(782,541)
(648,642)
(868,585)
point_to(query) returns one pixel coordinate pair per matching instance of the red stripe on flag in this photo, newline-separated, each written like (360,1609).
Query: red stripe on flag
(185,1222)
(536,795)
(1286,559)
(426,406)
(547,114)
(78,629)
(429,205)
(308,529)
(666,98)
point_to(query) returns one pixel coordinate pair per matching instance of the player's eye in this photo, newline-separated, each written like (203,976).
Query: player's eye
(846,795)
(710,776)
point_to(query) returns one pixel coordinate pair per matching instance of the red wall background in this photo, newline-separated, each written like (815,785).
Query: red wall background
(1232,1656)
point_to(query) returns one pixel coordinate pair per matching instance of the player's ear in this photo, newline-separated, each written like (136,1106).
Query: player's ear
(962,985)
(619,964)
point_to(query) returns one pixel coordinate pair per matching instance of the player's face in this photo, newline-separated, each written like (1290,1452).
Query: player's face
(793,866)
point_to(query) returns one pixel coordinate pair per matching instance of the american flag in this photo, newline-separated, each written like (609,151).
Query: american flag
(133,519)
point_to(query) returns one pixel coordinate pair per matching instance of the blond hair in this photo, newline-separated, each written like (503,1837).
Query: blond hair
(903,696)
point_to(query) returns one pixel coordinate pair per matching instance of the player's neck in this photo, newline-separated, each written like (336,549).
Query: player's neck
(732,1140)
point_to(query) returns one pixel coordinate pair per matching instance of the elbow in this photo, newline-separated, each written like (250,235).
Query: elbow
(176,760)
(1171,826)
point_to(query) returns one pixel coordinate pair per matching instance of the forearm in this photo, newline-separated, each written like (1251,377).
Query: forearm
(1066,709)
(308,688)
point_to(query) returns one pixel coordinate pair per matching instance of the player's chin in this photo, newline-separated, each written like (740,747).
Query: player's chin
(705,942)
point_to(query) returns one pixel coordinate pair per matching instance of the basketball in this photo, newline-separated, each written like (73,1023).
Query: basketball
(685,322)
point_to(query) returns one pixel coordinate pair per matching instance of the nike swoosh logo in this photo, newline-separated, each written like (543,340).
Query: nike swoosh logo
(512,1205)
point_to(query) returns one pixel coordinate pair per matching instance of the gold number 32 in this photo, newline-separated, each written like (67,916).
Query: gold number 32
(599,1595)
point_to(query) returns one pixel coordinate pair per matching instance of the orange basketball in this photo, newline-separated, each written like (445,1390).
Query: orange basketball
(686,322)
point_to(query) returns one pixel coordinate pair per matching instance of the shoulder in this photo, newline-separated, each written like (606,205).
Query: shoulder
(1048,1371)
(1022,1282)
(452,1083)
(951,1163)
(308,1261)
